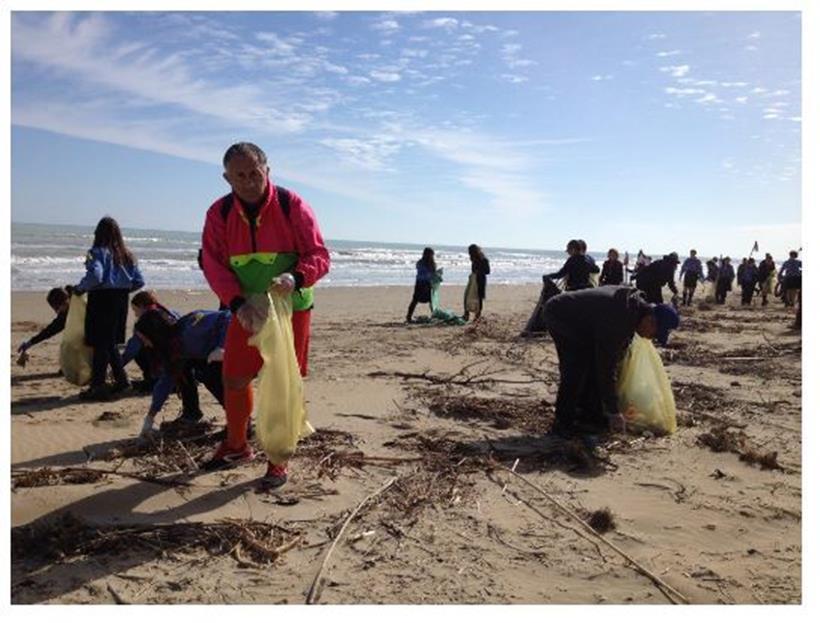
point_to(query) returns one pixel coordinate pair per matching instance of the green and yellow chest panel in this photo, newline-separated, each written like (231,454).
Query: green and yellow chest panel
(256,270)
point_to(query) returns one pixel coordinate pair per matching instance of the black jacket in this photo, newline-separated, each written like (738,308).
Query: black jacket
(602,321)
(577,270)
(657,274)
(612,274)
(54,327)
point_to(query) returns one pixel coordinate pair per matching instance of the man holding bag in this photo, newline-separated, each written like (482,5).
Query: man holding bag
(591,329)
(259,237)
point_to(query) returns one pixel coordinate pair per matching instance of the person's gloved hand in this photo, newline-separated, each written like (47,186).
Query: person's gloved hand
(254,313)
(617,422)
(283,284)
(24,347)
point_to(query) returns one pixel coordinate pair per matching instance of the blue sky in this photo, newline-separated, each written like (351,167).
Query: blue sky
(658,130)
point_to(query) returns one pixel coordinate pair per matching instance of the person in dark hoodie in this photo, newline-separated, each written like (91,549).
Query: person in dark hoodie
(480,266)
(691,272)
(57,299)
(591,330)
(576,269)
(612,273)
(593,267)
(726,275)
(765,278)
(748,280)
(652,278)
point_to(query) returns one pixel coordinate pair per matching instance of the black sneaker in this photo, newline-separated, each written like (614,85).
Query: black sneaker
(95,393)
(190,417)
(119,387)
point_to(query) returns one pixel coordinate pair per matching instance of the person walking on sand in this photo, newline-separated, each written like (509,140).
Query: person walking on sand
(691,272)
(791,275)
(591,330)
(726,275)
(766,277)
(652,278)
(479,269)
(612,273)
(111,274)
(258,237)
(422,292)
(712,269)
(576,269)
(747,281)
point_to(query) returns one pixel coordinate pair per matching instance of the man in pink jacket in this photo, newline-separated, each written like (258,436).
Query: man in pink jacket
(260,236)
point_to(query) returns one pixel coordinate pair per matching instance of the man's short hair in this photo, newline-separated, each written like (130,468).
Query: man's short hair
(56,297)
(792,253)
(573,245)
(144,298)
(248,150)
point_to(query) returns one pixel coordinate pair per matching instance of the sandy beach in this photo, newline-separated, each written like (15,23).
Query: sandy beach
(708,512)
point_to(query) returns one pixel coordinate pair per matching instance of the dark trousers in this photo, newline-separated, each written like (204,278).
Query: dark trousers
(724,284)
(578,406)
(103,357)
(746,294)
(653,294)
(210,375)
(144,361)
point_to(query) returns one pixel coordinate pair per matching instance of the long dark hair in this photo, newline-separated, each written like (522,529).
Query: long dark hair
(475,252)
(108,235)
(159,326)
(428,258)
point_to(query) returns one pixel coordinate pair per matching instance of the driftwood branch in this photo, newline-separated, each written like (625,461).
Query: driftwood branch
(315,587)
(667,590)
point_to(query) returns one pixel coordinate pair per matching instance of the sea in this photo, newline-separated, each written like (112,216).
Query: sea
(47,256)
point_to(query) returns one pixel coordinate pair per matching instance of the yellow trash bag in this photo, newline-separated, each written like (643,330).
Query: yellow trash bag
(471,301)
(75,356)
(644,391)
(281,419)
(594,279)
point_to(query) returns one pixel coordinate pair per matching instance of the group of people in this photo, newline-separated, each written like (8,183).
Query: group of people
(257,239)
(429,276)
(262,238)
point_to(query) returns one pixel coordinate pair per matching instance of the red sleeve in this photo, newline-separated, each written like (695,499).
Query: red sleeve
(314,258)
(215,259)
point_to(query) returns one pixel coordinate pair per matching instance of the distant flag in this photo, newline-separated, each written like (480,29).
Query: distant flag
(755,248)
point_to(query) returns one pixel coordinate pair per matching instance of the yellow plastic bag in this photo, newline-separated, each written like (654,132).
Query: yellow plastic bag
(75,356)
(644,391)
(281,419)
(471,301)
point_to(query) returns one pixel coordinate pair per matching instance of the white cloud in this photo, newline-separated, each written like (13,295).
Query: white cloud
(668,53)
(742,100)
(771,116)
(385,76)
(758,90)
(709,98)
(414,53)
(599,77)
(681,92)
(326,16)
(357,80)
(475,28)
(386,25)
(656,35)
(734,84)
(777,93)
(754,35)
(750,48)
(372,154)
(677,71)
(514,79)
(448,23)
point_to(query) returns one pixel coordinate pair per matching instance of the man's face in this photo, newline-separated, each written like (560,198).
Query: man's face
(248,178)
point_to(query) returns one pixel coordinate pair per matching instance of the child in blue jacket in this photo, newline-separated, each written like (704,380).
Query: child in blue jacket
(188,349)
(111,274)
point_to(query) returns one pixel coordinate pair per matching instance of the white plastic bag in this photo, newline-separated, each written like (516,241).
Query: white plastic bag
(644,392)
(75,356)
(471,301)
(281,419)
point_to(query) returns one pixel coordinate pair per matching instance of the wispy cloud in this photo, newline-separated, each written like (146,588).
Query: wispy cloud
(655,36)
(601,77)
(447,23)
(664,54)
(676,71)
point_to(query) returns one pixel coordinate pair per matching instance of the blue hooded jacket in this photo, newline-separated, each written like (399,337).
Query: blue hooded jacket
(103,274)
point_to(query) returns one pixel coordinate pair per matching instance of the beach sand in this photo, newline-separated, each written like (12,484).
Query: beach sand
(428,405)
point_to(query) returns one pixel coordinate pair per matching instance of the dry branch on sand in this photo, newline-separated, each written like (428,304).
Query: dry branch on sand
(48,476)
(531,416)
(249,542)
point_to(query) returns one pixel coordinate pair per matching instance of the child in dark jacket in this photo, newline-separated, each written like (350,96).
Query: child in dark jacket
(57,299)
(425,270)
(111,274)
(612,273)
(748,280)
